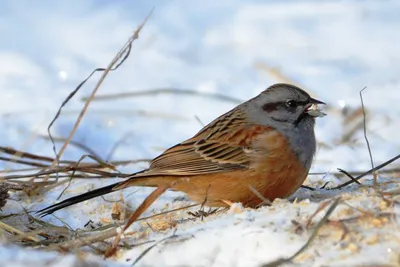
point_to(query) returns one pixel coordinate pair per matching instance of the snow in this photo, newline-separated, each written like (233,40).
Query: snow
(331,48)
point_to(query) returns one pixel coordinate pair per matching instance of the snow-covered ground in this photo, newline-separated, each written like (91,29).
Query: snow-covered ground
(331,48)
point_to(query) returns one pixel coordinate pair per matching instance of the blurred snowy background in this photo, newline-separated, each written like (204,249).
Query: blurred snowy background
(236,48)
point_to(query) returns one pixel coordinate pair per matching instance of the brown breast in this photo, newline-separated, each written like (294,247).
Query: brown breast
(275,172)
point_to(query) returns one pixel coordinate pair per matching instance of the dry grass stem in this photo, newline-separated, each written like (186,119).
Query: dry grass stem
(122,54)
(173,91)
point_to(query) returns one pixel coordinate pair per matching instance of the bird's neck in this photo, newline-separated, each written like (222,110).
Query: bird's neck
(302,142)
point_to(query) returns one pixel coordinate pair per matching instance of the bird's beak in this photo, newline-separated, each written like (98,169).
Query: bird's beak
(313,109)
(316,101)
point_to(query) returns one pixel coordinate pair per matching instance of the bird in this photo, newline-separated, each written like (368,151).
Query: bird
(266,144)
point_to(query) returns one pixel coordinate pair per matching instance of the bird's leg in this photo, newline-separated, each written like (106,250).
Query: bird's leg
(201,213)
(265,202)
(227,202)
(233,207)
(139,211)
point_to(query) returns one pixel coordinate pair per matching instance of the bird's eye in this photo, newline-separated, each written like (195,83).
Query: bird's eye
(291,103)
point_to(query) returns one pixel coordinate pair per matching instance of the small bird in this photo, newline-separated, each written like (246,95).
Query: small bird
(265,144)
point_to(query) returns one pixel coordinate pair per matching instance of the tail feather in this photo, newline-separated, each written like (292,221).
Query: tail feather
(77,199)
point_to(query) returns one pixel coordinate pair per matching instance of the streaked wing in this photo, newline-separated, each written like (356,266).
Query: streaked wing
(221,146)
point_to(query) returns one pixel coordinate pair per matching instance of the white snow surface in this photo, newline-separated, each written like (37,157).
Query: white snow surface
(331,48)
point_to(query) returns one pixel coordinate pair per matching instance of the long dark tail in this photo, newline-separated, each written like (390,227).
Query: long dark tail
(77,199)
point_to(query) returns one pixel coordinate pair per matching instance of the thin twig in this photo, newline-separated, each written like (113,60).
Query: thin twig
(392,170)
(199,120)
(121,55)
(308,187)
(130,113)
(365,131)
(309,241)
(367,172)
(349,175)
(74,143)
(260,196)
(136,214)
(73,174)
(159,91)
(11,229)
(23,162)
(83,241)
(147,250)
(146,218)
(365,127)
(24,154)
(117,144)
